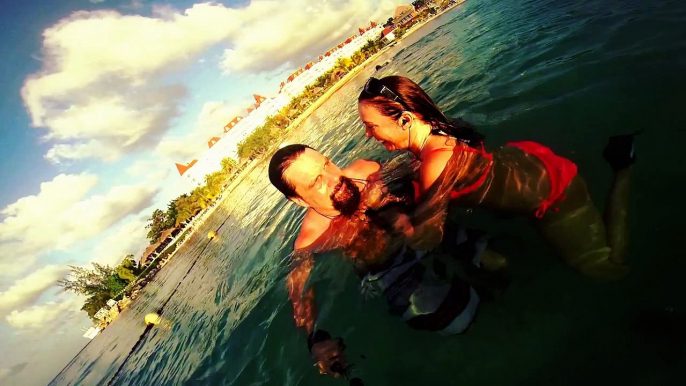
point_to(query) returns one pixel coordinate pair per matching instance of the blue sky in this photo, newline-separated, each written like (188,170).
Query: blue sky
(100,98)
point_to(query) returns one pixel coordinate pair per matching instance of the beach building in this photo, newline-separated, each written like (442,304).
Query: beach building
(226,144)
(231,124)
(388,34)
(92,332)
(303,77)
(152,251)
(404,14)
(100,315)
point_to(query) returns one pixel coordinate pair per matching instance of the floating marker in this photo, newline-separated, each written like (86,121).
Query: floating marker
(152,318)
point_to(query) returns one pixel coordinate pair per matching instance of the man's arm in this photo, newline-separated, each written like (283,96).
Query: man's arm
(362,168)
(304,312)
(302,262)
(324,350)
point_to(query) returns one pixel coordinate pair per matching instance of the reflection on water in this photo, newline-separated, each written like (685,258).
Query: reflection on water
(563,73)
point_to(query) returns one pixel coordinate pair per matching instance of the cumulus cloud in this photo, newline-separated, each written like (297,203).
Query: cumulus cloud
(72,152)
(102,80)
(305,29)
(114,120)
(106,47)
(102,90)
(38,317)
(61,215)
(27,290)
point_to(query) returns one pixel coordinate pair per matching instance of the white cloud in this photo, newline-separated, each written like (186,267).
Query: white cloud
(38,317)
(275,32)
(117,121)
(61,215)
(92,149)
(27,290)
(107,47)
(96,1)
(103,72)
(103,91)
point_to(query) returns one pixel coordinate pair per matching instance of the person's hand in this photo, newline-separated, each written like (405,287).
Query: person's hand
(375,193)
(403,225)
(400,223)
(328,354)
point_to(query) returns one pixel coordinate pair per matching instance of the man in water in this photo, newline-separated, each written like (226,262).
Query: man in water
(351,210)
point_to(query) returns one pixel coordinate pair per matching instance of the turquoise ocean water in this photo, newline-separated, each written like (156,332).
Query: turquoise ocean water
(564,73)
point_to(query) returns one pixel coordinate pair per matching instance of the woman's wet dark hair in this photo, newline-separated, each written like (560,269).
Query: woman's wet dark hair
(281,160)
(412,98)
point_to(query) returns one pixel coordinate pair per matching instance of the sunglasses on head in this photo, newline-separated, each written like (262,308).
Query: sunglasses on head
(376,88)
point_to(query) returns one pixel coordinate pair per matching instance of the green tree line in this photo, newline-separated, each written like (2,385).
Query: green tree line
(187,205)
(101,283)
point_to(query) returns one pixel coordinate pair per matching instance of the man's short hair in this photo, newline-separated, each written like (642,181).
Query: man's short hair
(280,161)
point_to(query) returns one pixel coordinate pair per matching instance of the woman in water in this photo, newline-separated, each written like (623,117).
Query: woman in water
(522,177)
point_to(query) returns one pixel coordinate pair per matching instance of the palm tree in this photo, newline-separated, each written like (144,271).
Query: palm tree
(202,196)
(281,121)
(357,58)
(371,47)
(321,81)
(229,166)
(187,207)
(341,68)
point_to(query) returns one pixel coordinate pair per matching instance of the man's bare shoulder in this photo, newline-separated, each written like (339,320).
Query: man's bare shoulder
(313,226)
(361,168)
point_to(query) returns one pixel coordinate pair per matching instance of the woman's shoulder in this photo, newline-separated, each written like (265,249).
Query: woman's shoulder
(434,160)
(439,150)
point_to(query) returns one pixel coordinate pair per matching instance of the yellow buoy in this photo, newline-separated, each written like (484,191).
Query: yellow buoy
(152,318)
(211,235)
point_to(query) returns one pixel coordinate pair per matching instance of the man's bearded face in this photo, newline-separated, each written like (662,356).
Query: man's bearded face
(346,197)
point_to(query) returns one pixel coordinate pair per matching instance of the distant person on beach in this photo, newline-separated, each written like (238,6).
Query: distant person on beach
(361,211)
(524,178)
(380,66)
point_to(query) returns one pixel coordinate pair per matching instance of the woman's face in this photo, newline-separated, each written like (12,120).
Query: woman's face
(384,129)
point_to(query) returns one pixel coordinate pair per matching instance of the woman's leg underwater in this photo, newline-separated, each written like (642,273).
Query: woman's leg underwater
(589,243)
(619,153)
(575,229)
